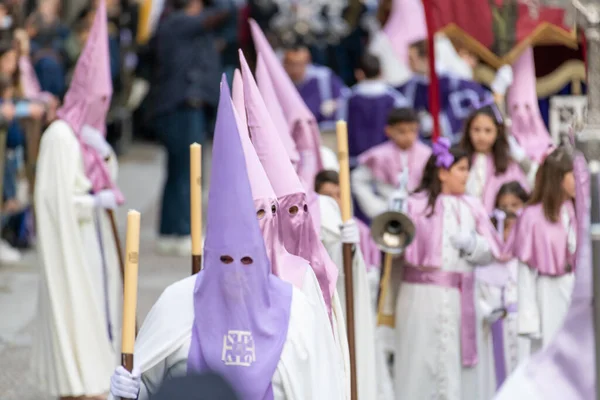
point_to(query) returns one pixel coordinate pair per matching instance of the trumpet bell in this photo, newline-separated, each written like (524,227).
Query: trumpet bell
(392,231)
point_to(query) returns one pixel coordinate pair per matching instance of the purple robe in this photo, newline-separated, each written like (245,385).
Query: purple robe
(458,98)
(320,84)
(366,110)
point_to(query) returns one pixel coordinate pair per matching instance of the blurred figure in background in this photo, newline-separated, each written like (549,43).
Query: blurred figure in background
(202,387)
(185,83)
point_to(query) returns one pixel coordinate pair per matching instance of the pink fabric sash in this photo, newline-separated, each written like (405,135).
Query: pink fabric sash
(465,283)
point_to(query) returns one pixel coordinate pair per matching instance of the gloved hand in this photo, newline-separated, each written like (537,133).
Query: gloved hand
(516,151)
(125,384)
(328,107)
(350,232)
(106,199)
(495,315)
(94,138)
(502,80)
(464,241)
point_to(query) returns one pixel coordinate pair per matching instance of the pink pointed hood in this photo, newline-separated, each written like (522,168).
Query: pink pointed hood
(265,85)
(303,125)
(88,99)
(299,233)
(290,268)
(527,124)
(405,25)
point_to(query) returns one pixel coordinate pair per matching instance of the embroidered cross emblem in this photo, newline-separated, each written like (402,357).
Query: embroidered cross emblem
(238,348)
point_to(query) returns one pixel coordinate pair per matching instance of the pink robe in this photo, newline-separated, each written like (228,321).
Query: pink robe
(385,162)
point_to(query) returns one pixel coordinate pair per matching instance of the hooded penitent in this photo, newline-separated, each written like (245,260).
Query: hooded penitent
(299,234)
(288,267)
(267,90)
(88,99)
(527,124)
(406,25)
(302,122)
(241,309)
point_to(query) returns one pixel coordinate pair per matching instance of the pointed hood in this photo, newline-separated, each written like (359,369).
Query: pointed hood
(405,26)
(299,233)
(290,268)
(241,309)
(88,99)
(568,361)
(265,85)
(237,94)
(303,125)
(527,124)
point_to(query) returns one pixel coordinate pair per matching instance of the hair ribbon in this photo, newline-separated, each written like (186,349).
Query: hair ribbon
(441,151)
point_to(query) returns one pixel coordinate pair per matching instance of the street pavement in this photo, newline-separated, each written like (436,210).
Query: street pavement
(141,174)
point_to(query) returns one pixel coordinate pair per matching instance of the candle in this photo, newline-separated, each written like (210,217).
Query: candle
(342,149)
(196,197)
(130,284)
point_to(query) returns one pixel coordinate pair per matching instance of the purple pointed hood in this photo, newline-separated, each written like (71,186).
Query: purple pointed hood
(241,309)
(88,99)
(299,234)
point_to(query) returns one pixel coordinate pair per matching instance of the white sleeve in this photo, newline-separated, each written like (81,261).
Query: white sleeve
(84,206)
(482,254)
(362,184)
(529,313)
(532,173)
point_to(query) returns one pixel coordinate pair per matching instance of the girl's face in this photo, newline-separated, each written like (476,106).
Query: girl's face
(8,63)
(454,180)
(483,133)
(510,203)
(568,185)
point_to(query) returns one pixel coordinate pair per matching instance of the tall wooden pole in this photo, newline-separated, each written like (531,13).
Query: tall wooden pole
(130,289)
(196,205)
(346,205)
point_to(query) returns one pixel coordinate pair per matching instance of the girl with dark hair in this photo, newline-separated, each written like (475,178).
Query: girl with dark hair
(544,243)
(497,293)
(489,150)
(436,316)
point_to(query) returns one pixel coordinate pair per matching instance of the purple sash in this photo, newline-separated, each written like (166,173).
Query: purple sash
(465,283)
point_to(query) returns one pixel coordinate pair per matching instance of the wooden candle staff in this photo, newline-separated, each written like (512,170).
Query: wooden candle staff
(342,147)
(196,205)
(132,245)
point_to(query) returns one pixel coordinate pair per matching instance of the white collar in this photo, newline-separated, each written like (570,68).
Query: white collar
(371,88)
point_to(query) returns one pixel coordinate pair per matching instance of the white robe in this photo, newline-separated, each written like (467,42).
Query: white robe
(371,376)
(72,354)
(544,300)
(306,369)
(516,348)
(372,195)
(428,363)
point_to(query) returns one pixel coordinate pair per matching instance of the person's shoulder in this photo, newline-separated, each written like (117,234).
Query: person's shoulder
(59,130)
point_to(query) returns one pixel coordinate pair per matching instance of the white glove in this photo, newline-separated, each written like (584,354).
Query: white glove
(125,384)
(516,151)
(106,199)
(94,138)
(328,107)
(464,241)
(495,315)
(350,232)
(502,80)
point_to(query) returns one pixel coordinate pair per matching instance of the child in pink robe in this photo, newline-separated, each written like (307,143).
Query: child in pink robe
(377,176)
(544,242)
(437,334)
(488,147)
(497,292)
